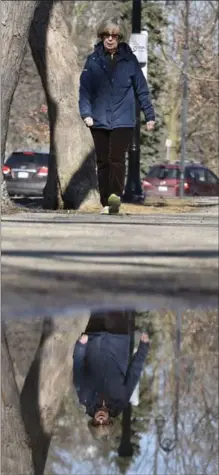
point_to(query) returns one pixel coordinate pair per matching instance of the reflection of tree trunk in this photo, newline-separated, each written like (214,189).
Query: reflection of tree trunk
(16,454)
(47,382)
(23,337)
(126,448)
(155,464)
(72,176)
(177,372)
(16,19)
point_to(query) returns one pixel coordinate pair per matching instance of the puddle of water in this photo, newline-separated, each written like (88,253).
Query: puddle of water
(162,409)
(178,386)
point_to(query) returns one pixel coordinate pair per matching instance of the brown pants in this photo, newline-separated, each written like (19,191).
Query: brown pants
(110,148)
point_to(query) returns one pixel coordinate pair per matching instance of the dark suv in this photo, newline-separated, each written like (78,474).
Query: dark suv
(163,180)
(26,173)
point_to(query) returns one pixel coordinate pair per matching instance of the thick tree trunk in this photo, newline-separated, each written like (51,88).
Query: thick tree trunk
(6,204)
(72,176)
(16,20)
(15,451)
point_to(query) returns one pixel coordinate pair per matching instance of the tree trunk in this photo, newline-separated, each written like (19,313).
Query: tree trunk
(6,204)
(16,20)
(72,176)
(16,454)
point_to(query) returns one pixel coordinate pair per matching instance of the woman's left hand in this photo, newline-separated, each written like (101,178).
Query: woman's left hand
(150,125)
(145,337)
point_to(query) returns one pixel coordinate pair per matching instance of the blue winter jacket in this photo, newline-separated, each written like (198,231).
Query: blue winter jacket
(101,371)
(107,94)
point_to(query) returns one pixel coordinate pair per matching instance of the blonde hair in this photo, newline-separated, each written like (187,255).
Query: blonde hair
(111,25)
(103,433)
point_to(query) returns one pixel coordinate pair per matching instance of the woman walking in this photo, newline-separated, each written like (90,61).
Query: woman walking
(110,81)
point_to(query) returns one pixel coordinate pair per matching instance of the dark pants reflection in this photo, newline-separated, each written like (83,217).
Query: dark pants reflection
(112,322)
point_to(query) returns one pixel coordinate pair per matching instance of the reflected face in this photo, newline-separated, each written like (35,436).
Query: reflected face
(101,417)
(111,40)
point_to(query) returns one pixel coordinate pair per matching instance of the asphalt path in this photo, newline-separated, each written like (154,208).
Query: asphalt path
(56,264)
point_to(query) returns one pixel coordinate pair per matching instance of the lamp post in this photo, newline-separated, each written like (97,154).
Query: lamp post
(126,448)
(133,190)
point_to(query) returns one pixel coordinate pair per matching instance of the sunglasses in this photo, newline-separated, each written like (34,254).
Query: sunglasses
(108,422)
(113,35)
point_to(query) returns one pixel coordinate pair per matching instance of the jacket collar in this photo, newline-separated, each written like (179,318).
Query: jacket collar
(124,51)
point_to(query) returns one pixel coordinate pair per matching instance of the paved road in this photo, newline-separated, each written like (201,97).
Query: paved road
(56,263)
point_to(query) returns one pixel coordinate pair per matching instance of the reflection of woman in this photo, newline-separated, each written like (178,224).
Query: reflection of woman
(111,80)
(103,378)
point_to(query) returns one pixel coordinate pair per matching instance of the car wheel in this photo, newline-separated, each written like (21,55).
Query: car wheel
(195,194)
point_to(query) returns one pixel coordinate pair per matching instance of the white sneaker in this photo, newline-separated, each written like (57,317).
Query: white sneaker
(105,210)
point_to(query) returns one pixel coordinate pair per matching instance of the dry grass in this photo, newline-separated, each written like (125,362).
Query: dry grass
(151,206)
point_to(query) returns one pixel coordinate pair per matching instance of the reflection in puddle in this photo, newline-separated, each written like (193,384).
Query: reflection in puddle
(100,398)
(104,372)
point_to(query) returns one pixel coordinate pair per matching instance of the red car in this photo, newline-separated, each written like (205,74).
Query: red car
(164,180)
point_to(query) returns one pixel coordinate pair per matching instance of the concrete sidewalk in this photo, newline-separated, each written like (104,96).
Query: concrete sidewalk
(56,263)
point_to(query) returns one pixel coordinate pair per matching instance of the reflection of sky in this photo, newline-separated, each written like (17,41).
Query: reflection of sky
(152,461)
(193,454)
(70,465)
(73,450)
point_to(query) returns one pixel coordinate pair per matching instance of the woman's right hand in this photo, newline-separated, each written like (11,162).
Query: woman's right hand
(88,121)
(83,339)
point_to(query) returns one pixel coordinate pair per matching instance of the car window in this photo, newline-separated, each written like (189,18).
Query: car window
(196,174)
(162,173)
(153,172)
(169,173)
(211,178)
(19,159)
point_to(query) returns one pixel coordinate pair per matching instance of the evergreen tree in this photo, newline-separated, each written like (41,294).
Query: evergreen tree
(154,20)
